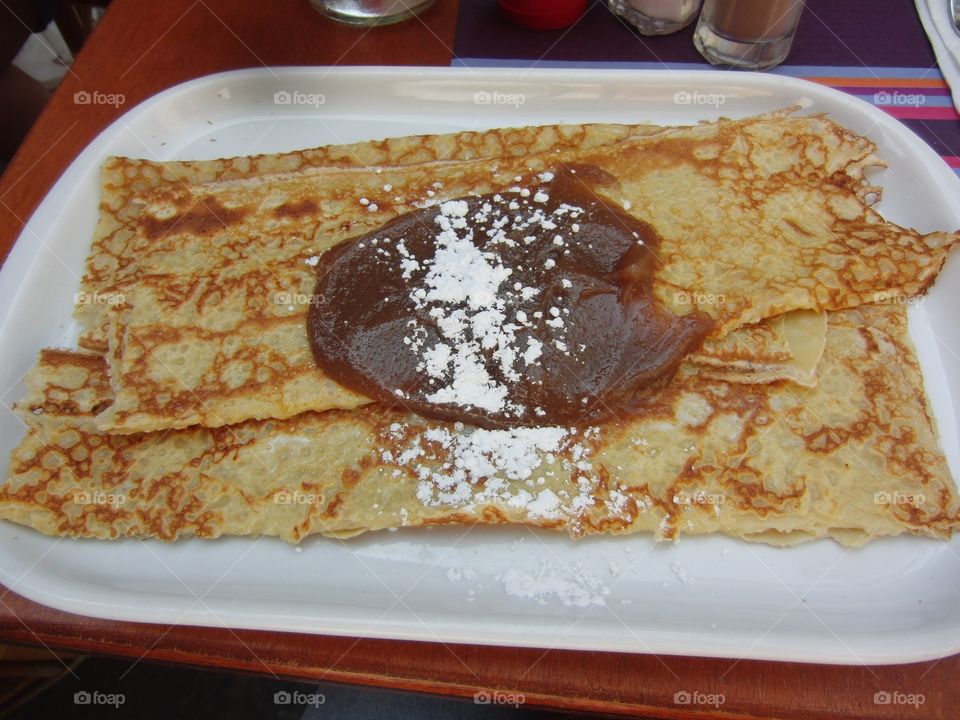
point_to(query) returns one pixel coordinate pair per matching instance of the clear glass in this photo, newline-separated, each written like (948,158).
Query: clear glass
(754,34)
(656,17)
(371,12)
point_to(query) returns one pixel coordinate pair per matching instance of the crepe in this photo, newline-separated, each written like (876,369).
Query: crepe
(854,458)
(761,351)
(785,347)
(759,217)
(123,179)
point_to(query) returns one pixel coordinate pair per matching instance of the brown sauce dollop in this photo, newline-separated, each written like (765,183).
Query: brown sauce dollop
(527,307)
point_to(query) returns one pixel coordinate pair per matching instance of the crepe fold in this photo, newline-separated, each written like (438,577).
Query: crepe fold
(194,407)
(213,280)
(854,458)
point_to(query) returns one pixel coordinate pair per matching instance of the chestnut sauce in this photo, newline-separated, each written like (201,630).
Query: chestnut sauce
(528,307)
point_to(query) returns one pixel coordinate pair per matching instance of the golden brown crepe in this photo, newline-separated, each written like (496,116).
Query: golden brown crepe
(123,179)
(759,217)
(798,419)
(760,351)
(854,458)
(785,347)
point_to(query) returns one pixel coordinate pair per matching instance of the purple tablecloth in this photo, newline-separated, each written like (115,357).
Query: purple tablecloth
(874,49)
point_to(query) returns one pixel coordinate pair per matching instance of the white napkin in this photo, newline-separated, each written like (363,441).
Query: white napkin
(938,22)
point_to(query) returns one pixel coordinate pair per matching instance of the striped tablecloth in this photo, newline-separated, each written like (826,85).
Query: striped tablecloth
(874,49)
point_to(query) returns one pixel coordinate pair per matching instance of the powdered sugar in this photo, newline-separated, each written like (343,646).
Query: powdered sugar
(462,294)
(467,294)
(574,586)
(461,574)
(680,573)
(542,473)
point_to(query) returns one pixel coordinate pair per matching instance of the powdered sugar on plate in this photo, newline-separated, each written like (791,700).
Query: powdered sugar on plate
(461,574)
(572,586)
(681,573)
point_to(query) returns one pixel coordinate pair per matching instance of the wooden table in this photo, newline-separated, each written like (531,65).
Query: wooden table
(142,48)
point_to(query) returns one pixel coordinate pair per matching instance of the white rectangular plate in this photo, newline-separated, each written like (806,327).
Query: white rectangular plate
(894,600)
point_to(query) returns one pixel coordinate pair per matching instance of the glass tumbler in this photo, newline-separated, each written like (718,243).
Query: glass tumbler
(656,17)
(754,34)
(371,12)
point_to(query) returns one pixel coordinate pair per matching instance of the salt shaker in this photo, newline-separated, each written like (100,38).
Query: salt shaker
(656,17)
(754,34)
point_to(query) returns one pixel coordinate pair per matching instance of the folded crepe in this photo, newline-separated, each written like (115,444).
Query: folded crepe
(195,408)
(115,248)
(854,458)
(758,217)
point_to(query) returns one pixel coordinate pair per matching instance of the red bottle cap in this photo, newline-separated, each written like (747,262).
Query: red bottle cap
(542,14)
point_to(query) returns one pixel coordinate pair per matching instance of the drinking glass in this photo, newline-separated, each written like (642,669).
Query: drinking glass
(656,17)
(754,34)
(371,12)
